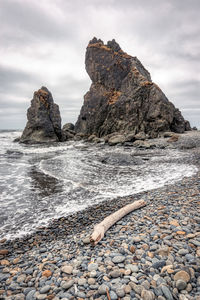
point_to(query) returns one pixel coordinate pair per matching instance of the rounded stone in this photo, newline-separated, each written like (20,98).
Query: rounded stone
(91,281)
(127,289)
(102,290)
(67,269)
(81,281)
(45,289)
(182,275)
(47,273)
(181,284)
(120,292)
(147,295)
(66,285)
(118,259)
(113,295)
(93,274)
(166,292)
(115,273)
(183,252)
(92,267)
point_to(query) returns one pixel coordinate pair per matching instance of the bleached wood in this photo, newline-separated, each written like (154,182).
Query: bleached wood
(101,228)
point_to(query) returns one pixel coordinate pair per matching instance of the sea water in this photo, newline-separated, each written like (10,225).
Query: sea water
(39,183)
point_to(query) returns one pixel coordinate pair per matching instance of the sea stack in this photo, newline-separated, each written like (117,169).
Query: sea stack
(122,97)
(44,121)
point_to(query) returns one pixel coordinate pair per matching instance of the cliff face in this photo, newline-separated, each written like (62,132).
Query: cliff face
(44,121)
(122,97)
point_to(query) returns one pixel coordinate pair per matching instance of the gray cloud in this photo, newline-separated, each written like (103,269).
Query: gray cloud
(43,43)
(11,79)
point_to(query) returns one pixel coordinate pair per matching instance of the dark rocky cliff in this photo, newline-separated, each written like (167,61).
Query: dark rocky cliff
(44,121)
(122,98)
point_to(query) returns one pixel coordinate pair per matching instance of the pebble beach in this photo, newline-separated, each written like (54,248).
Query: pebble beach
(152,253)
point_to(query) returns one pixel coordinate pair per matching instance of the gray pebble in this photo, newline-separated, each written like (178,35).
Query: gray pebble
(113,295)
(92,267)
(102,289)
(67,284)
(45,289)
(166,292)
(118,259)
(181,284)
(183,252)
(30,295)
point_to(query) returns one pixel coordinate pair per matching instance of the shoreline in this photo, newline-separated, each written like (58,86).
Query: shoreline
(118,202)
(111,206)
(65,243)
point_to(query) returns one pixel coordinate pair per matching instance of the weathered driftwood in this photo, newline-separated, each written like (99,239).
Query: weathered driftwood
(101,228)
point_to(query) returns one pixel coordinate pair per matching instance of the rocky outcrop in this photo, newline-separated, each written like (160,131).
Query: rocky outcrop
(44,121)
(122,97)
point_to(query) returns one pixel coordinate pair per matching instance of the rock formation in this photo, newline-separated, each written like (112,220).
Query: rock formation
(44,121)
(122,98)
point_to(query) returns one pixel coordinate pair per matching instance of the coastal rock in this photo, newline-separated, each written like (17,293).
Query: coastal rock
(68,132)
(122,98)
(44,121)
(116,139)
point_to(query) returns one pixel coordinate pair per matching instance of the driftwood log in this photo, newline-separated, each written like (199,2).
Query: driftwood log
(101,228)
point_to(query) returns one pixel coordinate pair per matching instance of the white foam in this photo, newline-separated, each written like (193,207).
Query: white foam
(69,179)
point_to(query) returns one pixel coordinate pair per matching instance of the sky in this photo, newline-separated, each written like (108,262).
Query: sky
(43,43)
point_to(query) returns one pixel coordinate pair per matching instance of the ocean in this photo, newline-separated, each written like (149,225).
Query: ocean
(39,183)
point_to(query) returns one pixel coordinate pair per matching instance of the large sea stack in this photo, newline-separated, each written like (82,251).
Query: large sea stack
(122,97)
(44,121)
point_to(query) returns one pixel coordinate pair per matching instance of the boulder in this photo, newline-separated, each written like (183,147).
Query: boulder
(141,136)
(173,139)
(68,126)
(142,144)
(68,132)
(44,121)
(116,139)
(122,97)
(94,139)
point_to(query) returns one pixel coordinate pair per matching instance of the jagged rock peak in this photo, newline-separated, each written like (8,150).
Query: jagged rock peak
(95,41)
(44,121)
(110,44)
(122,97)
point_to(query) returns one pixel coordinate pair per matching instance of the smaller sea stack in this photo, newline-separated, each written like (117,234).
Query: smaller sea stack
(44,121)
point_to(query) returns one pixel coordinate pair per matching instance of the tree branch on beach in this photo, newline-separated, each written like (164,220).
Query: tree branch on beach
(101,228)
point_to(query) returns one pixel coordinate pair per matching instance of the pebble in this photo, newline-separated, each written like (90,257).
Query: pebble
(113,295)
(118,259)
(102,289)
(115,274)
(67,269)
(120,292)
(81,281)
(166,292)
(68,284)
(182,275)
(181,284)
(92,267)
(147,295)
(183,252)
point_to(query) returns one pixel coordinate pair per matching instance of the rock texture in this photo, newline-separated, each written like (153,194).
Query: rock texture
(122,98)
(44,121)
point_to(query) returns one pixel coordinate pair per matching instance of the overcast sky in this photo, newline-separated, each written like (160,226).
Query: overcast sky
(42,43)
